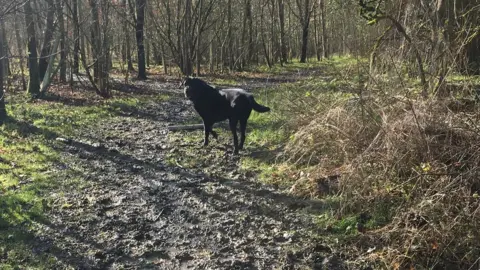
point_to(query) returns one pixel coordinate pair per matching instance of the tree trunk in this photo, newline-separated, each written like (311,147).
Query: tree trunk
(199,35)
(6,62)
(187,65)
(147,51)
(211,61)
(34,81)
(147,41)
(3,111)
(104,63)
(303,56)
(96,40)
(20,52)
(140,7)
(63,53)
(76,36)
(247,39)
(126,33)
(157,58)
(324,29)
(473,55)
(47,40)
(99,51)
(304,13)
(230,36)
(264,45)
(251,35)
(164,62)
(281,18)
(316,38)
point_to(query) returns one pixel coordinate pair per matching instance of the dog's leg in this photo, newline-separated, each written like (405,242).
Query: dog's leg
(207,128)
(243,128)
(233,128)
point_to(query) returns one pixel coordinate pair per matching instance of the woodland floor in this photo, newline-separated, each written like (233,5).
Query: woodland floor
(136,207)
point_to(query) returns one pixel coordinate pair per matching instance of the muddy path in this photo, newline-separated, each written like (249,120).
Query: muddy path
(133,210)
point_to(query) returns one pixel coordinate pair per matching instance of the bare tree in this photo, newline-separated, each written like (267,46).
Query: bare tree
(63,52)
(324,29)
(47,39)
(76,36)
(34,81)
(281,21)
(100,48)
(139,33)
(20,53)
(304,14)
(3,111)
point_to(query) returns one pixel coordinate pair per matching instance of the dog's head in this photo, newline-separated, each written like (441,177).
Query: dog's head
(194,88)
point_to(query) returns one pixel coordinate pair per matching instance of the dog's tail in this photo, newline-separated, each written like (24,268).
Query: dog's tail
(257,107)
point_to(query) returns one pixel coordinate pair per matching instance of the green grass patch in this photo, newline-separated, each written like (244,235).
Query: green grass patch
(224,81)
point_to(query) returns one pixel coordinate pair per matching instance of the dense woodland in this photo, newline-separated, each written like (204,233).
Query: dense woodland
(430,38)
(391,133)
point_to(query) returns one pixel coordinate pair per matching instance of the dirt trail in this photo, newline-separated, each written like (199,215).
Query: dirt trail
(134,211)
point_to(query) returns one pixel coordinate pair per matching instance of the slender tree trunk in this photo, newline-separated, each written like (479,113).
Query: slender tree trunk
(126,32)
(303,57)
(230,36)
(244,42)
(187,44)
(157,58)
(147,40)
(34,81)
(264,44)
(316,38)
(63,53)
(212,59)
(251,35)
(281,19)
(104,64)
(20,52)
(304,13)
(199,36)
(3,111)
(96,40)
(47,40)
(76,36)
(274,48)
(140,7)
(99,49)
(324,29)
(164,62)
(147,51)
(6,62)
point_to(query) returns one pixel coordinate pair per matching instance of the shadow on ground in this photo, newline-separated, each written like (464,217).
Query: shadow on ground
(132,208)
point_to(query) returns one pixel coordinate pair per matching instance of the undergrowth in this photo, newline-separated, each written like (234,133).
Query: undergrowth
(404,169)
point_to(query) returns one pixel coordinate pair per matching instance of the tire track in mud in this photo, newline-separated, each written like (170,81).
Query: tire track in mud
(135,211)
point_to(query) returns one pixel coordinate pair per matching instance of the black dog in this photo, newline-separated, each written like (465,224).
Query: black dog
(215,105)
